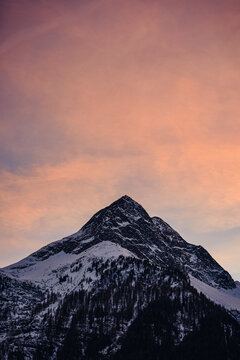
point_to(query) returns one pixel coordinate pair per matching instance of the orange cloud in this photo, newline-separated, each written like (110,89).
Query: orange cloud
(104,98)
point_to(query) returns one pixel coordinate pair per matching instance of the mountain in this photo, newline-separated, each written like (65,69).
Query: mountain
(127,224)
(122,282)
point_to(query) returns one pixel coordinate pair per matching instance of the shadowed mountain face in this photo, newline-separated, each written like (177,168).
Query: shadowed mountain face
(119,288)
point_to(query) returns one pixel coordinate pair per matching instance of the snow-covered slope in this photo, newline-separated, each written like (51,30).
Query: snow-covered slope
(230,299)
(52,272)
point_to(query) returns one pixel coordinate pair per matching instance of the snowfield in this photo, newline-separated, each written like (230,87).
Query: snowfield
(46,273)
(230,299)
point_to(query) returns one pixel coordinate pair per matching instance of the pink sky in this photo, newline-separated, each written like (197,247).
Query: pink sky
(103,98)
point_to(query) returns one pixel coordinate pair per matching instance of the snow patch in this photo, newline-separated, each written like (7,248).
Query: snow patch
(225,298)
(44,269)
(106,249)
(55,273)
(87,240)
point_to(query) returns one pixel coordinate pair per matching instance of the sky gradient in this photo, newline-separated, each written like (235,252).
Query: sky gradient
(101,98)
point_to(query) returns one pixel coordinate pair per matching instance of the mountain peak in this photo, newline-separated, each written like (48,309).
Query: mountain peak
(127,206)
(125,199)
(122,209)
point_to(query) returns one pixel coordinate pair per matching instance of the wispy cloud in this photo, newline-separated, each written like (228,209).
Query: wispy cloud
(103,98)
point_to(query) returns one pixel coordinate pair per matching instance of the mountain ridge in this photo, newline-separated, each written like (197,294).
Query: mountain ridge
(127,223)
